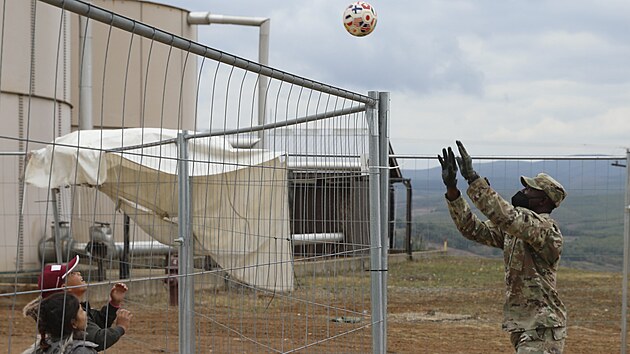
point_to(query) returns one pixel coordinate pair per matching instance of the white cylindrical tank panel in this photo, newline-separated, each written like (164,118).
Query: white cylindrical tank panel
(35,51)
(34,107)
(137,82)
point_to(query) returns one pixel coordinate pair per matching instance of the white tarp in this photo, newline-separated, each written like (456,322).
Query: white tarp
(239,196)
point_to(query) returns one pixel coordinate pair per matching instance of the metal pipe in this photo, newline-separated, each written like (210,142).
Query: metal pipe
(533,157)
(136,249)
(391,216)
(407,183)
(383,140)
(626,260)
(264,25)
(85,79)
(110,18)
(186,259)
(124,254)
(57,236)
(207,18)
(324,165)
(263,81)
(16,153)
(306,119)
(155,248)
(143,248)
(314,238)
(375,231)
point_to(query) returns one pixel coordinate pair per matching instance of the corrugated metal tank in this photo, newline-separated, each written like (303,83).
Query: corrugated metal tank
(39,101)
(135,83)
(34,104)
(155,89)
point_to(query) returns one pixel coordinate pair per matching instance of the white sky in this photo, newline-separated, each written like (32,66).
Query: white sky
(510,77)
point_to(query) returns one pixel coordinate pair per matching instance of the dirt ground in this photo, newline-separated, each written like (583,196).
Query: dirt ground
(438,305)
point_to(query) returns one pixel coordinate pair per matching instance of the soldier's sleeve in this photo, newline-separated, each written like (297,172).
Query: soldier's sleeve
(541,233)
(471,227)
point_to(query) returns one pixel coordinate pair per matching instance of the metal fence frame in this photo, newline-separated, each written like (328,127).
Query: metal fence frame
(626,213)
(376,106)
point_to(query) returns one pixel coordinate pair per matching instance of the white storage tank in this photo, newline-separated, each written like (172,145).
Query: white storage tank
(39,101)
(136,82)
(35,104)
(157,88)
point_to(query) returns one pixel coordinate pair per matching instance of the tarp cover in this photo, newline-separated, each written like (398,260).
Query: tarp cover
(239,201)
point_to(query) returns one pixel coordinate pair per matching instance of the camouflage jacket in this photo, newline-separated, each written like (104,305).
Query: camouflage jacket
(531,243)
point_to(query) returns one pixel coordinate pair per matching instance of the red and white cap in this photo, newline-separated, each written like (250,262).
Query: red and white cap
(54,276)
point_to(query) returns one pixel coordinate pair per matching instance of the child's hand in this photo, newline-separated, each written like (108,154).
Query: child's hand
(123,319)
(117,294)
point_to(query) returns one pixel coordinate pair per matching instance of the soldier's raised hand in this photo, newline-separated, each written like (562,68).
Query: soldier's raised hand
(465,163)
(449,168)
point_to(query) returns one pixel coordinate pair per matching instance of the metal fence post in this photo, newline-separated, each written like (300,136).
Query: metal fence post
(57,234)
(378,341)
(626,262)
(186,284)
(383,130)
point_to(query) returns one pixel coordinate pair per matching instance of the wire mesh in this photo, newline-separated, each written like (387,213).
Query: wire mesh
(591,220)
(280,209)
(279,197)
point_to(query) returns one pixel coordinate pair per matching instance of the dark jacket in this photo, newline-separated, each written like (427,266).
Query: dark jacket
(99,327)
(70,345)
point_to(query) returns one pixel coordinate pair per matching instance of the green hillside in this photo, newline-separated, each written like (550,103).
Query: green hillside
(591,218)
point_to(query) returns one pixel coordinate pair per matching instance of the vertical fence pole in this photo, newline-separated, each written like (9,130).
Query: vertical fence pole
(57,231)
(408,219)
(123,268)
(626,262)
(378,341)
(185,268)
(383,137)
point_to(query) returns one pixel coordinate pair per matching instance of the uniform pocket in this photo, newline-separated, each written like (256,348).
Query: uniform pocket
(532,335)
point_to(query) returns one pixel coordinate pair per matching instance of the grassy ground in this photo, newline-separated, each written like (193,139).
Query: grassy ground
(454,304)
(441,304)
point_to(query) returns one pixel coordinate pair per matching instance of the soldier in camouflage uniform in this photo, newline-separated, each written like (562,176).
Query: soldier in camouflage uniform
(531,242)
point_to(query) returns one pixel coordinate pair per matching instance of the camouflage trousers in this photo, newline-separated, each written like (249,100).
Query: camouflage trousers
(539,341)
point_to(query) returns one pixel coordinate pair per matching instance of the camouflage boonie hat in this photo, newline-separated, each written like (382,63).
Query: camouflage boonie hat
(554,190)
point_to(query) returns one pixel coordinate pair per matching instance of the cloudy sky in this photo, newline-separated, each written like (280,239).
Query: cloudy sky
(511,77)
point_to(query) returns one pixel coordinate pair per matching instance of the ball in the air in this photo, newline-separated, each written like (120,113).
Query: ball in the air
(359,18)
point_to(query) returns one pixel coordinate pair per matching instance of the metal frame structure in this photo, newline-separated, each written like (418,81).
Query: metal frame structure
(376,106)
(264,25)
(626,233)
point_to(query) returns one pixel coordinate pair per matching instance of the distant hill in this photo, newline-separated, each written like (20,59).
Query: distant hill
(577,176)
(591,218)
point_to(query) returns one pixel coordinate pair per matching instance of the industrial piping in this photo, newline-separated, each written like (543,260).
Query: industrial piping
(264,25)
